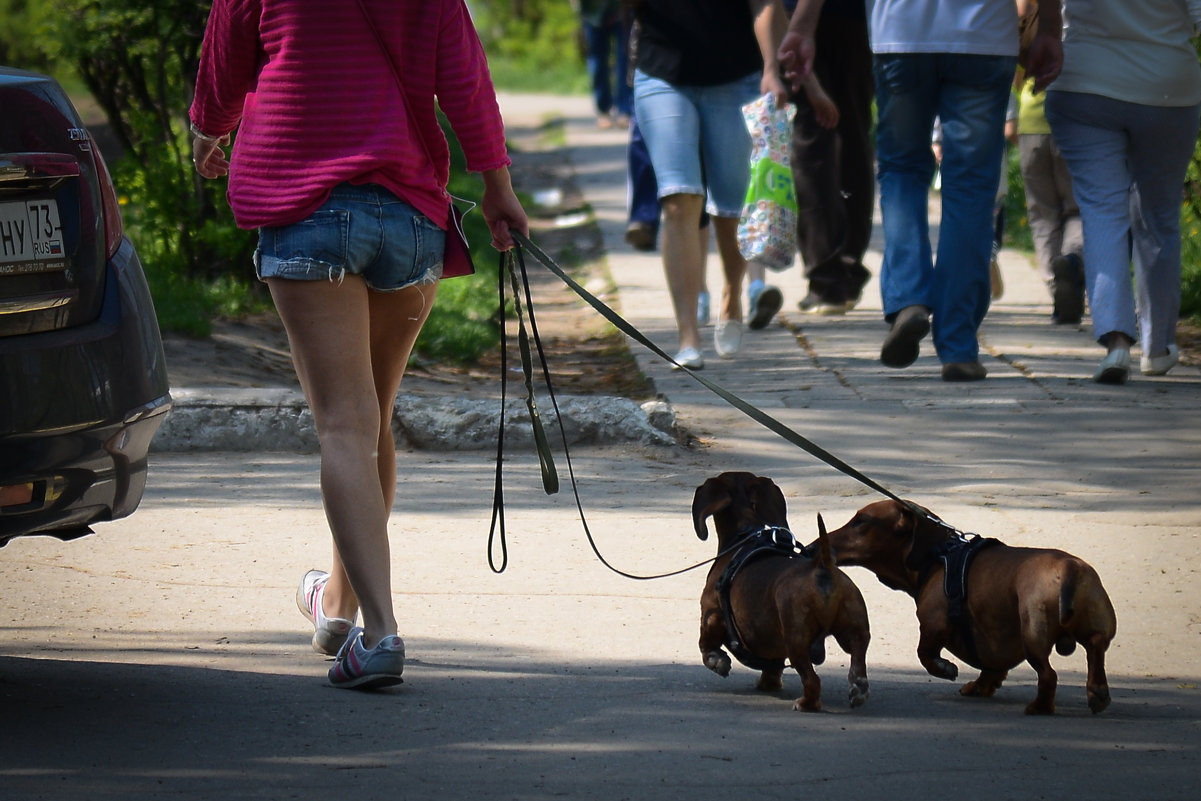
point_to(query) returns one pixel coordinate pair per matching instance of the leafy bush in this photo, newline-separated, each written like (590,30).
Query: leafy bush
(533,45)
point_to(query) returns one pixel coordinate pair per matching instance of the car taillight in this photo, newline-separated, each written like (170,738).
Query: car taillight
(114,228)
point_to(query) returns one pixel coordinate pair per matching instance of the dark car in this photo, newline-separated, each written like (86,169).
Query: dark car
(83,382)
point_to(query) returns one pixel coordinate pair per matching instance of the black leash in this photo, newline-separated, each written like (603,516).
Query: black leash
(512,263)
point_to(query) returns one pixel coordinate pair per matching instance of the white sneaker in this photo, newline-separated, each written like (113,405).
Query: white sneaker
(1115,367)
(727,338)
(1159,365)
(690,358)
(329,633)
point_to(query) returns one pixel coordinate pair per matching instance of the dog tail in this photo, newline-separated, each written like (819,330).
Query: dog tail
(1066,644)
(825,556)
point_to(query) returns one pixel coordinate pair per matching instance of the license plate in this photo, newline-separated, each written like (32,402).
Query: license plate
(31,237)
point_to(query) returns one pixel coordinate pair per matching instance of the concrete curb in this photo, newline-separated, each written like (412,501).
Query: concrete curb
(278,419)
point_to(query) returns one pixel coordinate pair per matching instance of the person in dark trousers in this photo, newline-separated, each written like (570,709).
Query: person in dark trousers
(834,168)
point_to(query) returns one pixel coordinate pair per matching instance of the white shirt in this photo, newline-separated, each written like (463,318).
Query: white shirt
(970,27)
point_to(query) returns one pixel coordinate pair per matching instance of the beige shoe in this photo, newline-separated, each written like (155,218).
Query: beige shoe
(727,338)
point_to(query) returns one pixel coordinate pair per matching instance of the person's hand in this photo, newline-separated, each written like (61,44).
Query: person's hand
(209,157)
(1045,61)
(796,54)
(825,110)
(772,83)
(502,210)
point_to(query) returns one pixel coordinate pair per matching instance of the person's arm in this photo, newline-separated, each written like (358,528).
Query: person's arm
(502,210)
(228,66)
(798,47)
(1046,53)
(823,106)
(770,24)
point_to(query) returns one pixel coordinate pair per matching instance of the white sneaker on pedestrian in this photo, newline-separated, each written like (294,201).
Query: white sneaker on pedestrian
(1159,365)
(727,338)
(329,633)
(690,358)
(1115,367)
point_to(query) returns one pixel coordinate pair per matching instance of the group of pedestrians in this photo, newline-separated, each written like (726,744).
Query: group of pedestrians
(341,165)
(922,61)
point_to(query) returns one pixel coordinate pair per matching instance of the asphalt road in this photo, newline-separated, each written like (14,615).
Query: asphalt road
(164,658)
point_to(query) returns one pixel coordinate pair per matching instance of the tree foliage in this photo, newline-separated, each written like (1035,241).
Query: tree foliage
(138,59)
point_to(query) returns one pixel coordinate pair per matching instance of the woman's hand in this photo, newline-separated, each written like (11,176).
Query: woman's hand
(502,210)
(208,156)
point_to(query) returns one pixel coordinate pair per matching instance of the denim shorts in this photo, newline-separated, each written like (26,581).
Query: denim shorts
(362,230)
(697,138)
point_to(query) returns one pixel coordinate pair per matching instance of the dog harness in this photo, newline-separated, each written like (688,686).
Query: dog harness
(755,544)
(956,555)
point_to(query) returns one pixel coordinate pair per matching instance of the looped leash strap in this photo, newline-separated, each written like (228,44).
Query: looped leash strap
(513,262)
(746,408)
(550,477)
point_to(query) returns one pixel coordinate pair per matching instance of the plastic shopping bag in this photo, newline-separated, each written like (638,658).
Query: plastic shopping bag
(767,228)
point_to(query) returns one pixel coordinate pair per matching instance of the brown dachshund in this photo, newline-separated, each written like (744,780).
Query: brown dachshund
(778,605)
(1000,606)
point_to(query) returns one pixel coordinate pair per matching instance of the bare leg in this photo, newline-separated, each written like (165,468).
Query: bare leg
(683,262)
(733,267)
(350,346)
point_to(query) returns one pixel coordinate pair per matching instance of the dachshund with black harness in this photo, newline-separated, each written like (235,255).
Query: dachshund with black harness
(769,601)
(990,604)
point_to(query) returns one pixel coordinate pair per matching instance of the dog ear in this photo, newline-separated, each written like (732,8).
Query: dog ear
(767,501)
(925,536)
(710,498)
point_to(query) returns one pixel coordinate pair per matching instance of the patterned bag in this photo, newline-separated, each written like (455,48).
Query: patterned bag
(767,228)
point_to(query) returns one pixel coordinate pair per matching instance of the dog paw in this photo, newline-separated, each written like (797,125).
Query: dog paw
(718,662)
(1098,699)
(942,669)
(769,683)
(978,689)
(802,705)
(1035,707)
(859,692)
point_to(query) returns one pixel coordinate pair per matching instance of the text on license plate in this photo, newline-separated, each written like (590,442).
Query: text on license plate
(31,237)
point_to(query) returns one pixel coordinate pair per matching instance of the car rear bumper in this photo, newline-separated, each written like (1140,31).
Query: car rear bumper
(78,408)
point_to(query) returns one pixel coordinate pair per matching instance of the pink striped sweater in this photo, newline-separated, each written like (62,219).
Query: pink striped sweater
(316,104)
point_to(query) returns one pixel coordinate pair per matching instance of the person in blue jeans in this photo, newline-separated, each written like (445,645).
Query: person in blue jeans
(606,41)
(953,59)
(1124,105)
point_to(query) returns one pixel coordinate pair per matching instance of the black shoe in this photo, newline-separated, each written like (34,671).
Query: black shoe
(764,307)
(641,235)
(860,275)
(963,371)
(1067,290)
(814,303)
(902,344)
